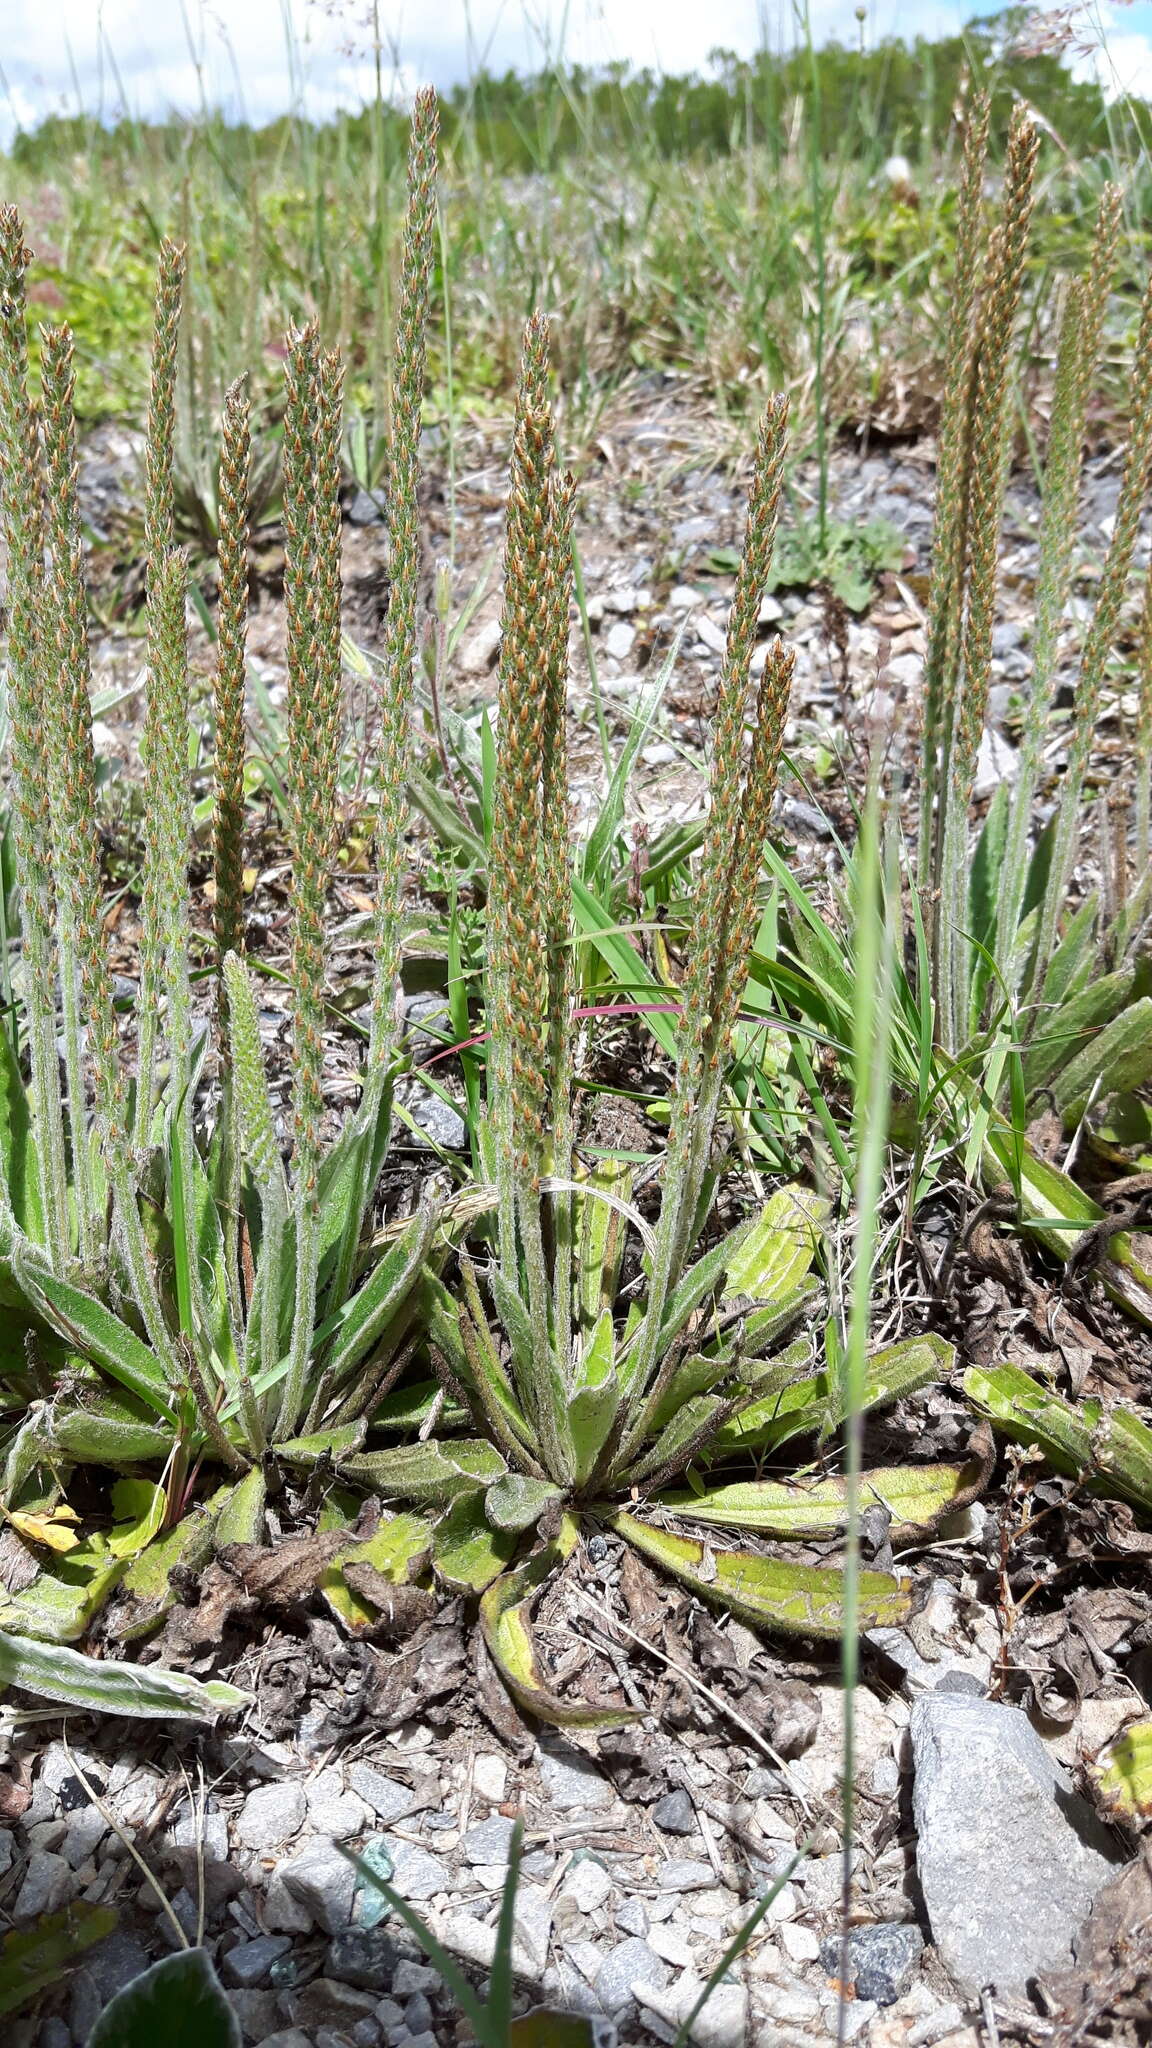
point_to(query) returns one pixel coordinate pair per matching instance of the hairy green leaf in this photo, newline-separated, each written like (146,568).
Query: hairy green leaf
(143,1691)
(179,2001)
(795,1599)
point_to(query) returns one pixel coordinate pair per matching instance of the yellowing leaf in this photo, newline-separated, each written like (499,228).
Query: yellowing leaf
(53,1527)
(398,1552)
(916,1497)
(504,1620)
(1123,1773)
(798,1599)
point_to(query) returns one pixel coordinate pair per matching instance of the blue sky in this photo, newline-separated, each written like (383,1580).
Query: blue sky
(156,55)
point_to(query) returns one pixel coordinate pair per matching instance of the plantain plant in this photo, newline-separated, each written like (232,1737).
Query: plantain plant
(600,1358)
(178,1292)
(1060,1007)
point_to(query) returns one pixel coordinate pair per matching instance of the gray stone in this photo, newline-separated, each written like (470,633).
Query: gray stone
(333,1811)
(203,1833)
(881,1959)
(389,1800)
(418,2014)
(83,1834)
(1009,1858)
(588,1884)
(270,1815)
(7,1850)
(283,1913)
(489,1842)
(114,1962)
(248,1964)
(416,1874)
(630,1963)
(571,1782)
(675,1813)
(410,1977)
(323,1880)
(366,2033)
(631,1917)
(436,1120)
(618,641)
(424,2040)
(366,509)
(47,1884)
(288,2037)
(55,2033)
(257,2011)
(85,2004)
(685,1874)
(364,1956)
(326,2003)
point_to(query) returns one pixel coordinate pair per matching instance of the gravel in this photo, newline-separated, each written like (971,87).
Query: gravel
(47,1884)
(364,1956)
(322,1881)
(271,1815)
(248,1964)
(881,1959)
(675,1813)
(388,1799)
(572,1783)
(630,1963)
(685,1874)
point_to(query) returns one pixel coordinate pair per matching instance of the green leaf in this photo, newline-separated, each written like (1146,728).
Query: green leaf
(1057,1213)
(812,1404)
(1119,1058)
(18,1163)
(143,1691)
(1112,1448)
(62,1603)
(100,1335)
(431,1471)
(1123,1773)
(112,1430)
(337,1443)
(34,1959)
(592,1412)
(179,2001)
(398,1551)
(775,1255)
(517,1502)
(138,1506)
(358,1324)
(624,963)
(795,1599)
(241,1516)
(467,1553)
(1072,1029)
(916,1496)
(145,1593)
(678,1440)
(504,1619)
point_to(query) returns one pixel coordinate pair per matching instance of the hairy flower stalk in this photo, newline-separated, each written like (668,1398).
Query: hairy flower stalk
(1077,353)
(1143,734)
(312,603)
(527,859)
(556,888)
(400,631)
(717,949)
(399,653)
(987,457)
(231,644)
(159,534)
(86,987)
(1101,633)
(953,472)
(20,510)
